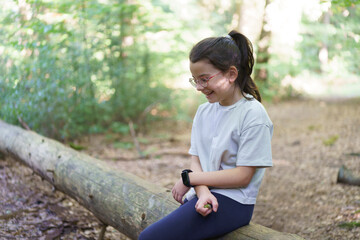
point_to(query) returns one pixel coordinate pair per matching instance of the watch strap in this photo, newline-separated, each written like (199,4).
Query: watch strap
(185,177)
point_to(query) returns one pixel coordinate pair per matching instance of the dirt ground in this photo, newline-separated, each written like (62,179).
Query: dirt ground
(312,139)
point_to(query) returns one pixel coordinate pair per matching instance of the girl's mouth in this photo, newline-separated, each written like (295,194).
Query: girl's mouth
(208,94)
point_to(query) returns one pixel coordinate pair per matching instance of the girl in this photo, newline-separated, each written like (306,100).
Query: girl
(230,145)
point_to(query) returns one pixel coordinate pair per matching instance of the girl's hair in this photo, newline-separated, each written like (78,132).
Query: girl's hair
(224,52)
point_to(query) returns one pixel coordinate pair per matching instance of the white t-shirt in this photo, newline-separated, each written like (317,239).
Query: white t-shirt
(224,137)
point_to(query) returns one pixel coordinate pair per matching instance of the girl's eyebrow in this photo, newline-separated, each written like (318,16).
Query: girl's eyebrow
(202,75)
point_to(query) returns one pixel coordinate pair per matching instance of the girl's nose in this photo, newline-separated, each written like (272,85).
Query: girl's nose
(199,87)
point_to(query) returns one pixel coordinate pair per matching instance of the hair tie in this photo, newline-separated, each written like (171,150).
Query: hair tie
(229,37)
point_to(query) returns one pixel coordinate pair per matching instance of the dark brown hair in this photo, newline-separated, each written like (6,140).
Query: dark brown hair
(224,52)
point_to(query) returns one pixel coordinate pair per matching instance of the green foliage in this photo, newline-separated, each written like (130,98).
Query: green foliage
(119,127)
(71,68)
(328,50)
(331,140)
(341,36)
(343,3)
(277,69)
(313,127)
(350,225)
(123,145)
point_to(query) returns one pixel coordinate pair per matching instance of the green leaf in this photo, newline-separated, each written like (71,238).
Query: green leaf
(331,140)
(76,147)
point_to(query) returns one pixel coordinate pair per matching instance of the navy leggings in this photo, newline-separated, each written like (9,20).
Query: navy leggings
(186,224)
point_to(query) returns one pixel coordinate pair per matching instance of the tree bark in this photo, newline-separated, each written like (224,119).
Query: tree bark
(347,177)
(248,17)
(263,54)
(116,198)
(324,51)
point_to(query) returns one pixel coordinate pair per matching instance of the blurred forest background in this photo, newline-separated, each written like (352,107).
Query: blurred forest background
(70,68)
(110,78)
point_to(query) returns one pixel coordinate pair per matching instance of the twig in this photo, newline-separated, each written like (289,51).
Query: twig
(164,153)
(355,154)
(136,142)
(7,237)
(121,158)
(147,110)
(24,124)
(102,232)
(29,210)
(58,200)
(169,153)
(17,212)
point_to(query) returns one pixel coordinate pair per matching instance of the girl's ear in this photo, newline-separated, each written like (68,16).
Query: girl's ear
(233,74)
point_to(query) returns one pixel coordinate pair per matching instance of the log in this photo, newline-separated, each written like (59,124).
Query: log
(347,177)
(117,198)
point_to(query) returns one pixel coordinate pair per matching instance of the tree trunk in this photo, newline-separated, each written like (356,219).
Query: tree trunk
(248,17)
(324,52)
(347,177)
(116,198)
(263,55)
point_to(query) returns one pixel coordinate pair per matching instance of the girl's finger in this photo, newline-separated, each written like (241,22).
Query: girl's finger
(206,212)
(214,204)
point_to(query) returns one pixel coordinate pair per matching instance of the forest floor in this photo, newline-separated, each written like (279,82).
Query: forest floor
(299,194)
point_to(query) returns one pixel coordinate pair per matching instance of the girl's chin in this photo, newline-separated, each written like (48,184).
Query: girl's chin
(211,99)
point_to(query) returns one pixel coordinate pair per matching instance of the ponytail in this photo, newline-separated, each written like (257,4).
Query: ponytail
(224,52)
(246,64)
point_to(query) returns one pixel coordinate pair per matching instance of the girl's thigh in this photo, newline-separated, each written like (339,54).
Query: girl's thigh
(186,224)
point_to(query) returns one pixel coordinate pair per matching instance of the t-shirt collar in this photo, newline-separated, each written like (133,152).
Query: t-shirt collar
(230,107)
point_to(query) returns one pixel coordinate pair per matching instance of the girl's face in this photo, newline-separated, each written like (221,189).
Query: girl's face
(220,88)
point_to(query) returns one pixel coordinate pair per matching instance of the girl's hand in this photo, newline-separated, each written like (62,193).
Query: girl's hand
(202,205)
(179,190)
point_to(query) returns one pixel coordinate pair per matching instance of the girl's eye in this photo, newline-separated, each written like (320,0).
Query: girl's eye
(204,80)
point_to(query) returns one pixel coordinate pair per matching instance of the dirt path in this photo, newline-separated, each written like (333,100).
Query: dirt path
(300,193)
(312,139)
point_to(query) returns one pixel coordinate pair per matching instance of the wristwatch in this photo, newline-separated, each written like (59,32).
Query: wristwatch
(185,177)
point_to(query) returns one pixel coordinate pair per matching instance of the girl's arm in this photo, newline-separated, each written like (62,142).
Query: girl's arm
(196,168)
(230,178)
(179,189)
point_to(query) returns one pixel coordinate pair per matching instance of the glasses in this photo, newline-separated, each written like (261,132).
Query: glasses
(202,81)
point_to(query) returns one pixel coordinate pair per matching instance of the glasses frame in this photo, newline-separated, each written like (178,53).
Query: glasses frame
(202,83)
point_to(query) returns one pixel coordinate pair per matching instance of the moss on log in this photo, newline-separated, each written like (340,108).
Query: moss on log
(117,198)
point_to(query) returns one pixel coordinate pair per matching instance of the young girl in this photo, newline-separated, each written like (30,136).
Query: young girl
(230,145)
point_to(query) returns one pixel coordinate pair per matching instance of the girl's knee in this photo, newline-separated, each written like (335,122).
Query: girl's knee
(143,235)
(147,234)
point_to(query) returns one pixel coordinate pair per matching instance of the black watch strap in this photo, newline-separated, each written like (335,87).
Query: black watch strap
(185,177)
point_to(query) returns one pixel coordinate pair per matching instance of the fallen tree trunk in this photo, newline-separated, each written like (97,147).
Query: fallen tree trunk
(347,177)
(116,198)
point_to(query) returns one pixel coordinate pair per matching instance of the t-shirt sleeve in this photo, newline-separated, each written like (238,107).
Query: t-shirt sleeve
(255,147)
(193,148)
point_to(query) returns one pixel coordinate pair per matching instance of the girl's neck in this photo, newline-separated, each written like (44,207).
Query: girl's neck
(236,96)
